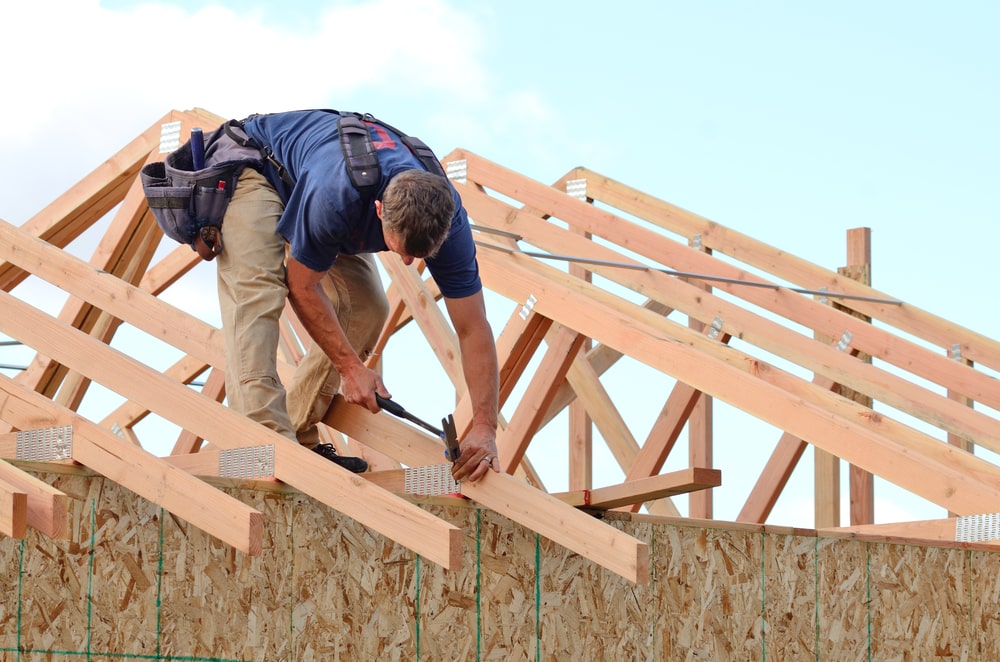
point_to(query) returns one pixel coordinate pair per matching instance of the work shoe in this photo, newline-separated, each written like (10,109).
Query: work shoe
(352,464)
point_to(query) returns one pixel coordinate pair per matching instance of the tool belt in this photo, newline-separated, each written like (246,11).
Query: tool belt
(184,200)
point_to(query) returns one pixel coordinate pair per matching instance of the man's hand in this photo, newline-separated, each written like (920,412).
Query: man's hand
(479,455)
(359,385)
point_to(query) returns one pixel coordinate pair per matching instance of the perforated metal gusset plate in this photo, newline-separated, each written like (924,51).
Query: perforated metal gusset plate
(977,528)
(432,480)
(44,444)
(248,462)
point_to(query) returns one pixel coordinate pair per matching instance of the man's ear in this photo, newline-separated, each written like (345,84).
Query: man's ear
(378,209)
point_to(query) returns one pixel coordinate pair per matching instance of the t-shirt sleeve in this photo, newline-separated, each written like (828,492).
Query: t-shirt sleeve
(454,268)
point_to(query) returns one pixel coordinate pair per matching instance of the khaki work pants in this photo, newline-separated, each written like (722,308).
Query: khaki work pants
(252,295)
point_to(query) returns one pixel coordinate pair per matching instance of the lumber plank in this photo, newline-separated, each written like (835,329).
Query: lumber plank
(936,529)
(801,310)
(204,463)
(670,484)
(384,512)
(750,384)
(502,493)
(69,215)
(513,441)
(521,336)
(13,510)
(608,547)
(139,471)
(594,399)
(428,316)
(769,335)
(46,507)
(215,388)
(127,302)
(906,317)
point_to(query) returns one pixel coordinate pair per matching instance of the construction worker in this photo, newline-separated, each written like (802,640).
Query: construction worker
(304,231)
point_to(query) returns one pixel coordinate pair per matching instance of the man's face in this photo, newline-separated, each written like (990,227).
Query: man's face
(392,241)
(395,244)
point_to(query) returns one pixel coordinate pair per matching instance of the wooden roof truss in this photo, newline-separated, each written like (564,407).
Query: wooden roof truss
(593,279)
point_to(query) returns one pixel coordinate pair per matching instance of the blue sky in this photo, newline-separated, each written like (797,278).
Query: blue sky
(788,121)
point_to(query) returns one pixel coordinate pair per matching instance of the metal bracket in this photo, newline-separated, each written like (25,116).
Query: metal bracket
(44,444)
(696,242)
(716,328)
(170,137)
(845,341)
(528,306)
(955,352)
(977,528)
(457,171)
(432,480)
(248,462)
(577,188)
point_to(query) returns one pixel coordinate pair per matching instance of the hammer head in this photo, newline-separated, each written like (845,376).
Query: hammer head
(452,450)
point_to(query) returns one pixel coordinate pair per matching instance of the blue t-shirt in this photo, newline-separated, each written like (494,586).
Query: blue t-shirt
(325,215)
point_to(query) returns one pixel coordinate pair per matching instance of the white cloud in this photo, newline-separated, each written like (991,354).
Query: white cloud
(83,80)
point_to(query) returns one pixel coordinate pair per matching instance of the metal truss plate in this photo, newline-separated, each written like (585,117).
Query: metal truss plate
(44,444)
(577,188)
(170,137)
(458,171)
(977,528)
(433,480)
(248,462)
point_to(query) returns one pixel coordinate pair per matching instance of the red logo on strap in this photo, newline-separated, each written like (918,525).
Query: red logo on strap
(384,141)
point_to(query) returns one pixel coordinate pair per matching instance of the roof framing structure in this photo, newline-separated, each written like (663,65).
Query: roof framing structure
(597,274)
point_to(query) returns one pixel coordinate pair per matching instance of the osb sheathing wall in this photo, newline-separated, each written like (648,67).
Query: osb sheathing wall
(134,582)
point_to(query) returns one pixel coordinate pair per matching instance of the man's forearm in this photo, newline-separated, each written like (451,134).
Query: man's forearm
(479,365)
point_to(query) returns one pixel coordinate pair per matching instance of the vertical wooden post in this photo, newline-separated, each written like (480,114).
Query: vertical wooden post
(957,440)
(700,434)
(581,429)
(859,267)
(827,466)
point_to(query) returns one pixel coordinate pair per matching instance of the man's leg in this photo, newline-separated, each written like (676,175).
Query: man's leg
(355,290)
(252,293)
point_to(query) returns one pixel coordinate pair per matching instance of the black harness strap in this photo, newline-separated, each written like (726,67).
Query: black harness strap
(363,167)
(359,153)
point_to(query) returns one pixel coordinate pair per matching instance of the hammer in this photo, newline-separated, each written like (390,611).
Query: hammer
(448,435)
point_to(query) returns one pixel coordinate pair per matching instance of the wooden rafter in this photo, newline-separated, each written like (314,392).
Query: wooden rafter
(586,328)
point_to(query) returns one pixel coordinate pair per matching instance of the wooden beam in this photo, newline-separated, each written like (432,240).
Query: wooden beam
(46,507)
(944,530)
(907,318)
(859,268)
(429,318)
(594,399)
(769,335)
(647,489)
(608,547)
(13,510)
(505,494)
(762,390)
(384,512)
(870,339)
(692,479)
(180,493)
(526,420)
(214,388)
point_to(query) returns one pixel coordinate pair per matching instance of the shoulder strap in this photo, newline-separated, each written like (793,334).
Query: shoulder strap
(244,140)
(361,160)
(359,153)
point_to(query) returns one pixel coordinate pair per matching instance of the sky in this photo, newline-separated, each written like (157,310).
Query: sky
(787,121)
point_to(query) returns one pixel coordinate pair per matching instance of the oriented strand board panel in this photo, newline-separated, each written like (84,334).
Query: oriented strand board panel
(133,582)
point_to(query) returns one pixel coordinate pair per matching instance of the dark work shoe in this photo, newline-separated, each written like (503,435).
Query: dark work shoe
(352,464)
